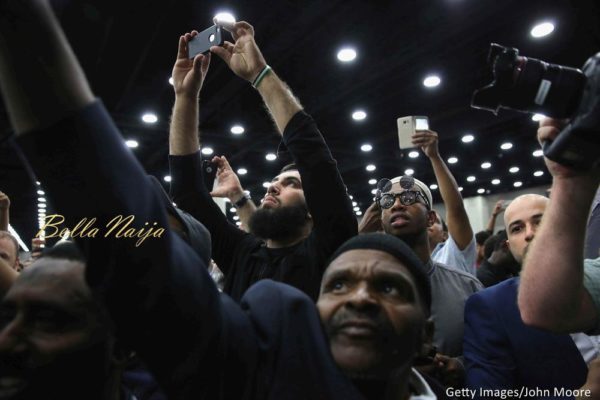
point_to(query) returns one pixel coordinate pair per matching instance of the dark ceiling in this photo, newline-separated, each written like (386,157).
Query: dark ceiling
(127,49)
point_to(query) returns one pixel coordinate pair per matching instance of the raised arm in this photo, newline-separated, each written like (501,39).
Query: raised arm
(4,211)
(551,293)
(498,208)
(457,219)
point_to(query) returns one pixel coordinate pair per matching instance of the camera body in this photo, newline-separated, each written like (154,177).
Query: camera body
(530,85)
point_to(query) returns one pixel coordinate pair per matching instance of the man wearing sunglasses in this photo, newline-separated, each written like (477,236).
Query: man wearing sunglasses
(405,204)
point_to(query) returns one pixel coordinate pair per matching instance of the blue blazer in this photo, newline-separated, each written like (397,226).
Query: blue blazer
(501,352)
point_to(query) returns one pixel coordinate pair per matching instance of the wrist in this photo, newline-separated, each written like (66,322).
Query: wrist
(235,195)
(260,76)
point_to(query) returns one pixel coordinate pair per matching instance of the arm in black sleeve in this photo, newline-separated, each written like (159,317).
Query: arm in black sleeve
(158,293)
(190,194)
(324,189)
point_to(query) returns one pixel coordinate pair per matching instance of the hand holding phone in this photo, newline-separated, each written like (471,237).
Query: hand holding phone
(204,40)
(407,126)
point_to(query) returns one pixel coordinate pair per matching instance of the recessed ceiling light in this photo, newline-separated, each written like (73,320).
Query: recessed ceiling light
(374,191)
(409,171)
(224,18)
(266,184)
(495,181)
(354,204)
(513,170)
(481,191)
(171,81)
(132,144)
(37,183)
(538,173)
(468,138)
(41,192)
(346,54)
(433,186)
(470,178)
(242,171)
(486,165)
(351,197)
(452,160)
(371,167)
(537,117)
(543,29)
(235,218)
(359,115)
(167,178)
(518,184)
(460,188)
(271,157)
(232,210)
(359,213)
(372,181)
(237,129)
(506,146)
(366,147)
(41,205)
(431,81)
(149,118)
(537,153)
(207,151)
(41,199)
(356,208)
(238,223)
(413,154)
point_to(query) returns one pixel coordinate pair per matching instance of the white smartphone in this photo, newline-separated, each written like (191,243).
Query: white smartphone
(407,126)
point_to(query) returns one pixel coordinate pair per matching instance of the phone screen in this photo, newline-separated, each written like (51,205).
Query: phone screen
(421,124)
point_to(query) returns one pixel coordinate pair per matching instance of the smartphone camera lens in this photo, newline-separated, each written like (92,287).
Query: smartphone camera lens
(211,38)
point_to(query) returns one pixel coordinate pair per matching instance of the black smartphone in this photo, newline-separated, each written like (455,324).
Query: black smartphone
(202,42)
(209,172)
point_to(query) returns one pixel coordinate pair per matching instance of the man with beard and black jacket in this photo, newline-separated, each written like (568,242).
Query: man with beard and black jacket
(305,214)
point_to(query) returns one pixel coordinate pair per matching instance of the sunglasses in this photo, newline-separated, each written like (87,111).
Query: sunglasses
(407,198)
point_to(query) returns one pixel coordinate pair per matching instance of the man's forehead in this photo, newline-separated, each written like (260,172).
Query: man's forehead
(291,173)
(525,208)
(371,259)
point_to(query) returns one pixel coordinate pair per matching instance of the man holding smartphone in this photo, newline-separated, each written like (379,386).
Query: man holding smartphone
(306,213)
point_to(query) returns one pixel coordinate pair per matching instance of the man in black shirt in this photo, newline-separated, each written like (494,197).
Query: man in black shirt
(311,198)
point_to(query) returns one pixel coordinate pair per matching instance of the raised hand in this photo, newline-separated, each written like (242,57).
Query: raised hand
(227,183)
(188,75)
(428,142)
(244,57)
(4,201)
(371,220)
(498,208)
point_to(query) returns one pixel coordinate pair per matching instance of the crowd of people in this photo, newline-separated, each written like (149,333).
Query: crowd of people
(304,302)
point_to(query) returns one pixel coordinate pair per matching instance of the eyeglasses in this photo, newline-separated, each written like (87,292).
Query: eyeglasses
(407,198)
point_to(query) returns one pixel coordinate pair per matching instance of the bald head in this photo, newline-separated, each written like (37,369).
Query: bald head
(522,218)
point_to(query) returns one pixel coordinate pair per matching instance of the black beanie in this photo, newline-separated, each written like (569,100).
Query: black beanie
(397,248)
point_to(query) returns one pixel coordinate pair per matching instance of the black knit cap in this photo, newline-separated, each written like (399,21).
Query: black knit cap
(397,248)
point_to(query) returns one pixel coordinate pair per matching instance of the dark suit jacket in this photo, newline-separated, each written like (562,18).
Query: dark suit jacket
(501,352)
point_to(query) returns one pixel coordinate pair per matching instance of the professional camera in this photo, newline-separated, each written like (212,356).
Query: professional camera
(530,85)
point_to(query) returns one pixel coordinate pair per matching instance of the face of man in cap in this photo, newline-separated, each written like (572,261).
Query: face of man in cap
(372,313)
(401,220)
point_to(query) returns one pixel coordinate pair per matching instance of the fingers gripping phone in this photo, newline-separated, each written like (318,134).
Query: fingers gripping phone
(202,42)
(407,126)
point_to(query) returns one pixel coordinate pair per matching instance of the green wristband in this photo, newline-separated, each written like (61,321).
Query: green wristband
(260,76)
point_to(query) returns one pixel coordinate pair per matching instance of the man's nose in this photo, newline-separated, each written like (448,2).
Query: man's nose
(362,297)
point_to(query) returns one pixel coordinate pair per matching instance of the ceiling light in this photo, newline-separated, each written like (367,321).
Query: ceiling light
(271,157)
(41,192)
(359,213)
(538,153)
(237,129)
(506,146)
(235,217)
(354,204)
(149,118)
(238,223)
(513,170)
(431,81)
(266,185)
(232,210)
(538,173)
(224,19)
(470,178)
(366,147)
(370,167)
(413,154)
(41,205)
(481,191)
(242,171)
(351,197)
(495,181)
(359,115)
(132,144)
(460,189)
(433,186)
(37,183)
(167,178)
(409,171)
(356,208)
(452,160)
(486,165)
(41,199)
(346,54)
(207,151)
(372,181)
(518,184)
(467,138)
(171,81)
(537,117)
(374,191)
(543,29)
